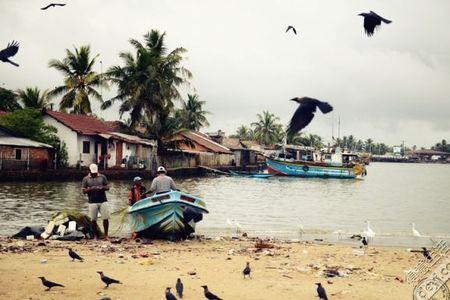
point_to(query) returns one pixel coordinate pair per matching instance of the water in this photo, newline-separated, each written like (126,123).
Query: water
(391,197)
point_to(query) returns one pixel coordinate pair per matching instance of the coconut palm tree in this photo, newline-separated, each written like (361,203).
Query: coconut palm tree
(267,130)
(8,100)
(148,81)
(192,114)
(310,140)
(244,133)
(369,145)
(80,81)
(33,98)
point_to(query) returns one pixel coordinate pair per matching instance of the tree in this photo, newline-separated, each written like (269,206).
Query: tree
(192,114)
(32,98)
(148,81)
(267,130)
(244,133)
(310,140)
(8,100)
(369,144)
(80,81)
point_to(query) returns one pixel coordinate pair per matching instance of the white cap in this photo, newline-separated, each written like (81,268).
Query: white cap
(137,178)
(161,169)
(93,168)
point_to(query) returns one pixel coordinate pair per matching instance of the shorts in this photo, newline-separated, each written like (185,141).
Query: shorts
(103,208)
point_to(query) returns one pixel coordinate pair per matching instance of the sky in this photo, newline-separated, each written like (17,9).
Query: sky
(392,87)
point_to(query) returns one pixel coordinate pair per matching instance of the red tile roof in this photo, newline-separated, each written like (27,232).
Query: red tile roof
(83,124)
(205,141)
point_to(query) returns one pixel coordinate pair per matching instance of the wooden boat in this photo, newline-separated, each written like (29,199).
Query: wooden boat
(251,174)
(170,215)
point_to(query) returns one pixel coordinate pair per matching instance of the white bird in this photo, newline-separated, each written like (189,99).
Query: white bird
(415,232)
(234,224)
(339,232)
(368,232)
(301,230)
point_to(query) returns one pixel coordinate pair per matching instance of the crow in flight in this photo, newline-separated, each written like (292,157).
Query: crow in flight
(291,27)
(9,51)
(371,21)
(49,284)
(53,5)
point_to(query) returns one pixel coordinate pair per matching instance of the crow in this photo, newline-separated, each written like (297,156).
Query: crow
(49,284)
(293,29)
(426,253)
(53,5)
(179,287)
(371,21)
(107,280)
(209,295)
(321,292)
(364,241)
(169,295)
(74,255)
(247,270)
(305,113)
(8,52)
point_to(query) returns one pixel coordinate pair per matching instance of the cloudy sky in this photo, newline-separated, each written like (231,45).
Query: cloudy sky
(392,87)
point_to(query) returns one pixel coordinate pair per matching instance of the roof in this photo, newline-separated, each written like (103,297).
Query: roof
(88,125)
(133,139)
(205,141)
(238,144)
(9,139)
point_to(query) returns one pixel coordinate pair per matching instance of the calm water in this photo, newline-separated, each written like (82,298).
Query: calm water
(391,197)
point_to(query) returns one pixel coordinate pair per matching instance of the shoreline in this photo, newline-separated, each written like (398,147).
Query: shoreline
(286,270)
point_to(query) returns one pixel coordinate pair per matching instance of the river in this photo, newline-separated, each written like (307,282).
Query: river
(392,196)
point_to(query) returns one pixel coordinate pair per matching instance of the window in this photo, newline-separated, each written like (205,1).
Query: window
(18,154)
(86,147)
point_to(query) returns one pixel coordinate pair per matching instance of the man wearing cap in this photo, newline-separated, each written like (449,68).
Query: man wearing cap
(137,191)
(95,185)
(162,183)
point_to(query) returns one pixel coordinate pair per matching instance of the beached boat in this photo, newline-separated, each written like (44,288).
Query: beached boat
(251,174)
(304,162)
(170,215)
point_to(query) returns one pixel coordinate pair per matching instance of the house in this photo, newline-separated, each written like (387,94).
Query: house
(244,155)
(18,153)
(430,155)
(91,140)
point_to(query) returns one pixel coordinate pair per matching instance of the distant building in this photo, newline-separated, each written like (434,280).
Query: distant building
(18,153)
(244,155)
(397,150)
(429,155)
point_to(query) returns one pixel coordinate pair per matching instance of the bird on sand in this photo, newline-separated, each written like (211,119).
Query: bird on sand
(208,294)
(74,255)
(364,241)
(53,5)
(107,280)
(371,21)
(291,28)
(368,232)
(180,288)
(49,284)
(169,295)
(247,271)
(426,253)
(8,52)
(305,113)
(321,292)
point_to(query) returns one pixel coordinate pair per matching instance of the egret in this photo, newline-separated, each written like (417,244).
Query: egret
(415,232)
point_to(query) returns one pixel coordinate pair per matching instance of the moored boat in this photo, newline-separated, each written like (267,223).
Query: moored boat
(251,174)
(170,215)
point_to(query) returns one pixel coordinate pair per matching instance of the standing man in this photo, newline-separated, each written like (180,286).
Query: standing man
(162,183)
(95,185)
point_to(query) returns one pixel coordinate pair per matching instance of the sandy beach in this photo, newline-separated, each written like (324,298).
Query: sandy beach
(286,271)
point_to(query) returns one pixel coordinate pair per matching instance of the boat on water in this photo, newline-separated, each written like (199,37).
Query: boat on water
(172,215)
(306,162)
(251,174)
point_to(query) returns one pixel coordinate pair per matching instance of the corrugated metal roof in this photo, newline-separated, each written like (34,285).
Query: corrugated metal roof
(134,139)
(206,142)
(21,142)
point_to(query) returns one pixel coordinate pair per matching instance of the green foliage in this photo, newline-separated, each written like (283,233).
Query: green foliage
(442,146)
(32,98)
(309,140)
(268,130)
(8,100)
(244,133)
(192,116)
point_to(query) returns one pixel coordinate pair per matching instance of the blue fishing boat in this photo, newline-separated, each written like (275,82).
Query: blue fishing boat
(251,174)
(170,215)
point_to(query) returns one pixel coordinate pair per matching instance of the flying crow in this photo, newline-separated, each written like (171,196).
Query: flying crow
(291,27)
(209,295)
(371,21)
(49,284)
(107,280)
(9,51)
(53,5)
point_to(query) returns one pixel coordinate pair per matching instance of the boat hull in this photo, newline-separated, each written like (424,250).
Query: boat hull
(309,170)
(169,216)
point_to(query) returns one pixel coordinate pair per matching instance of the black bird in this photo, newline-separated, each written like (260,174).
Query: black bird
(293,29)
(74,255)
(107,280)
(209,295)
(49,284)
(426,253)
(364,241)
(321,292)
(179,287)
(53,5)
(247,270)
(169,295)
(371,21)
(305,113)
(9,51)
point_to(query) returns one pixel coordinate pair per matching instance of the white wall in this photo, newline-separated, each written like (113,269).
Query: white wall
(68,136)
(87,158)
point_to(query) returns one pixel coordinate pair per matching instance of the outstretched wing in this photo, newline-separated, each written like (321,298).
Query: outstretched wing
(301,118)
(324,107)
(10,50)
(295,31)
(369,24)
(289,27)
(380,17)
(44,8)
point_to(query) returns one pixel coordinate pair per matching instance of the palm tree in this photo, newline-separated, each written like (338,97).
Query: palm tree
(32,98)
(244,133)
(369,144)
(267,130)
(192,114)
(149,80)
(80,81)
(310,140)
(8,100)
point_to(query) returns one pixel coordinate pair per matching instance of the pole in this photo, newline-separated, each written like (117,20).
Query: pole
(339,127)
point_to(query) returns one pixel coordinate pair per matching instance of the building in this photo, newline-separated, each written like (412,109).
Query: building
(18,153)
(244,155)
(91,140)
(429,155)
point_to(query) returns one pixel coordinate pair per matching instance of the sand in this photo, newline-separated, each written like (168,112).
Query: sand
(287,271)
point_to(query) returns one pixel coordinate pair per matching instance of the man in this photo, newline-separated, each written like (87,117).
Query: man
(95,185)
(162,183)
(137,191)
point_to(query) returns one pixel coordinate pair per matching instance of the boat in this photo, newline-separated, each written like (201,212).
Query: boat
(251,174)
(172,215)
(306,162)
